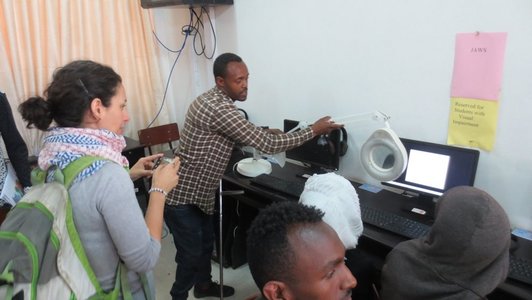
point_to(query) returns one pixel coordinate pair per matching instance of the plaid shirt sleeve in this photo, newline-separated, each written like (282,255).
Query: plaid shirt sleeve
(232,124)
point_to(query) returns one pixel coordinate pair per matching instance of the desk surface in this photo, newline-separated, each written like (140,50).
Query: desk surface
(259,197)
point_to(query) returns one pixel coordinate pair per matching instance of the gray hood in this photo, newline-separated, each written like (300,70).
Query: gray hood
(465,255)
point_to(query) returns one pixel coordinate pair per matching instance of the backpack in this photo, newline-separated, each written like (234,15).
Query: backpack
(41,255)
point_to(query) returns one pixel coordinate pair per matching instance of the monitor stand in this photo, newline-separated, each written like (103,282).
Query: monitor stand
(320,170)
(420,204)
(311,170)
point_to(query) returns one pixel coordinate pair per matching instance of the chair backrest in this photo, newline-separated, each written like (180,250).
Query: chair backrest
(159,135)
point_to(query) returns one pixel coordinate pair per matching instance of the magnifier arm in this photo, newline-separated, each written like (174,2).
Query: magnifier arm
(376,116)
(300,125)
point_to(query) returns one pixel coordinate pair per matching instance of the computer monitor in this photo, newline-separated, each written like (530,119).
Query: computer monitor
(321,153)
(434,168)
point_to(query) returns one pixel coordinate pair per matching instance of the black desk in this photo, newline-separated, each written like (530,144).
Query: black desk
(374,239)
(259,197)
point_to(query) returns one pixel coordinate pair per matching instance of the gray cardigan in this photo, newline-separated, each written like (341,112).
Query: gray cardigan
(111,226)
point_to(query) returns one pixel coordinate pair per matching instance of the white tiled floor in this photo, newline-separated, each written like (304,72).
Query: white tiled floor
(164,273)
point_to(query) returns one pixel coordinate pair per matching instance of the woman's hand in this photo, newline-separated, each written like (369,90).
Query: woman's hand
(164,179)
(166,176)
(143,167)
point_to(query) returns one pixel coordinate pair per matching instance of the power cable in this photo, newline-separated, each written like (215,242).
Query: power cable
(193,28)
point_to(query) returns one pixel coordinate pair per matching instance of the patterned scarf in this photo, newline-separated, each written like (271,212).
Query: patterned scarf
(63,145)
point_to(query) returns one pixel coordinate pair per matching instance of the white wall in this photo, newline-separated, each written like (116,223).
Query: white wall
(339,57)
(191,75)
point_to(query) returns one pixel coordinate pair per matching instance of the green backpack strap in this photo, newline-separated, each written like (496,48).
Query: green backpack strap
(75,167)
(124,285)
(146,286)
(115,293)
(68,174)
(9,278)
(66,177)
(121,279)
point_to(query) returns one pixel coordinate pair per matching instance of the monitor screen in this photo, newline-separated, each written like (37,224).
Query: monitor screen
(319,153)
(434,168)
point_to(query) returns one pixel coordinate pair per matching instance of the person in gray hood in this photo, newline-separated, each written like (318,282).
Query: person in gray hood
(465,255)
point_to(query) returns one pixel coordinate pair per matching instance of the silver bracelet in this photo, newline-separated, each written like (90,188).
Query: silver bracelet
(155,189)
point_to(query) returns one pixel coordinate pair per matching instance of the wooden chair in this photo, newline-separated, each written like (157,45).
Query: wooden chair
(157,135)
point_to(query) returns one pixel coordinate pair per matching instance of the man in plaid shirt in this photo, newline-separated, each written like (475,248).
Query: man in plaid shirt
(213,125)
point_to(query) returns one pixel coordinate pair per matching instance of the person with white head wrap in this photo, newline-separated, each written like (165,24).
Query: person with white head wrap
(338,199)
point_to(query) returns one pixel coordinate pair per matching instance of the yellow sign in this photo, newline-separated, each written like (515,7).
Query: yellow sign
(473,123)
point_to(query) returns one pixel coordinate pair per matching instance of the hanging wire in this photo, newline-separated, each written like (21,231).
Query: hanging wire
(194,28)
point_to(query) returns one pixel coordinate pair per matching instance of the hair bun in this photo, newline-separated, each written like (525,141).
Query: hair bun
(36,112)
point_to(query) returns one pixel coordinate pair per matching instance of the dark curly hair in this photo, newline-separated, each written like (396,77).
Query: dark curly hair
(269,254)
(221,62)
(70,94)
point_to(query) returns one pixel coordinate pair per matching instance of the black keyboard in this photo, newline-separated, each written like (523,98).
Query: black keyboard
(291,188)
(393,223)
(520,269)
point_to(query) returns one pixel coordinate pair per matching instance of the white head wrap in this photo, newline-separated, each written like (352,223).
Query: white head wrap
(338,199)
